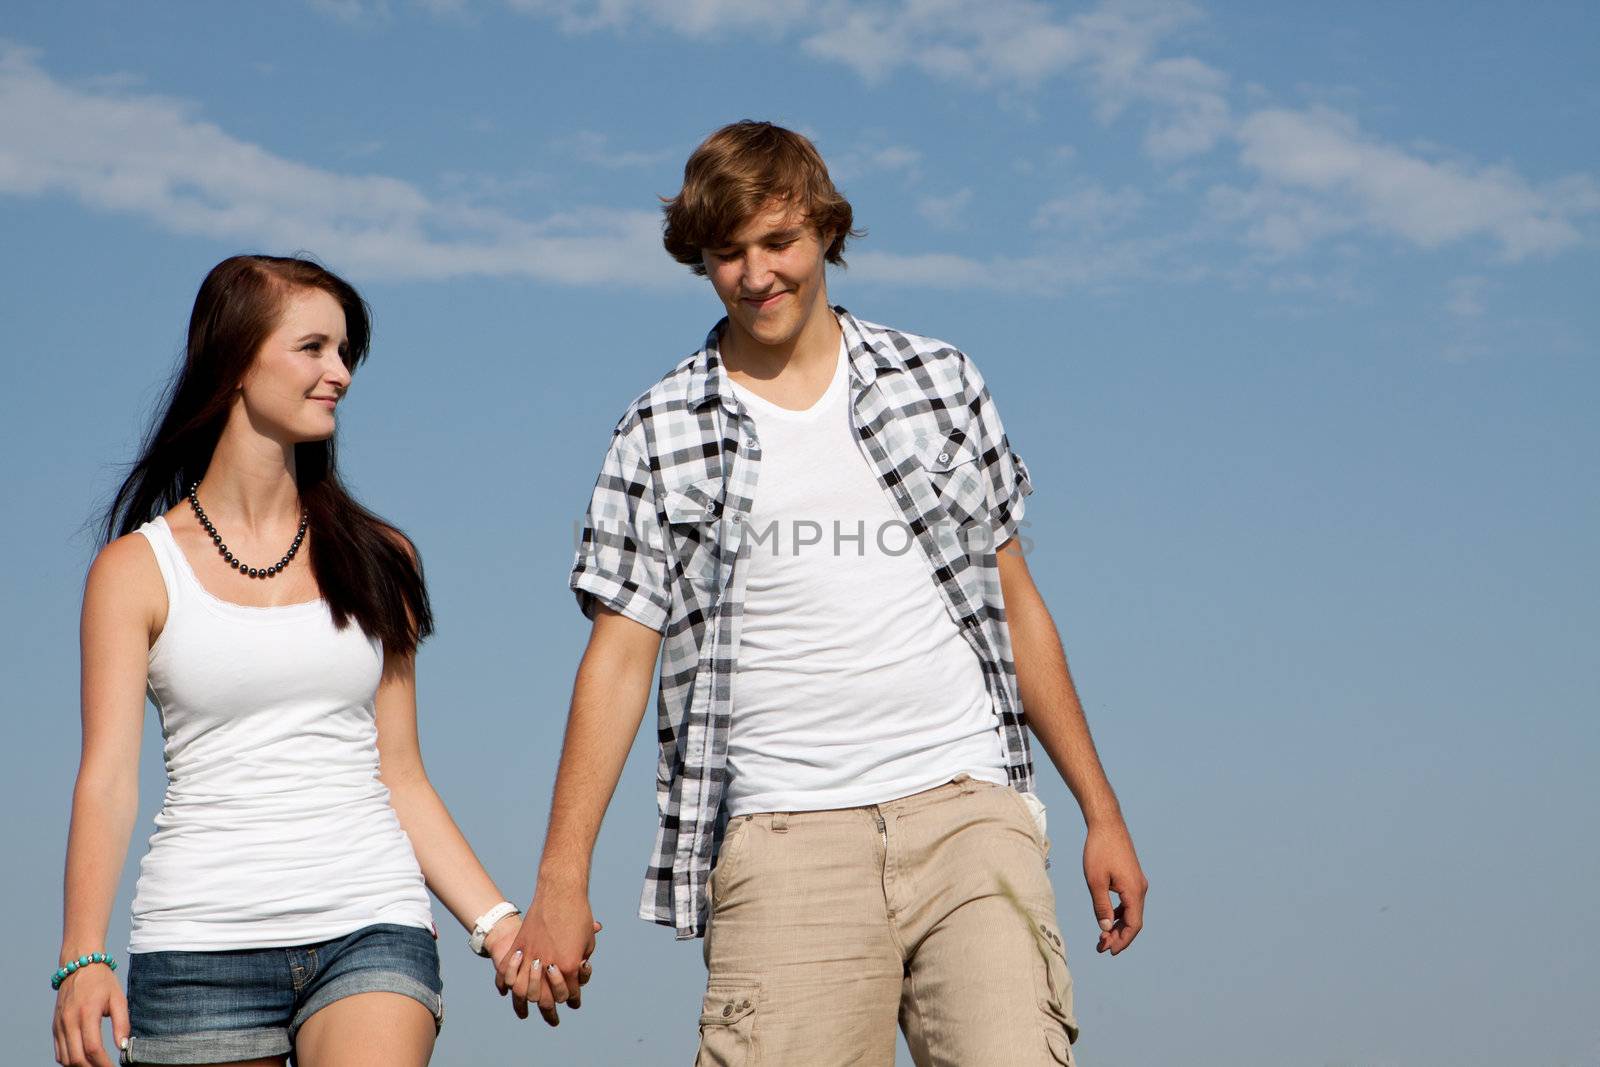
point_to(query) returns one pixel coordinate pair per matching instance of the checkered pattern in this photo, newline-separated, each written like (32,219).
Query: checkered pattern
(664,544)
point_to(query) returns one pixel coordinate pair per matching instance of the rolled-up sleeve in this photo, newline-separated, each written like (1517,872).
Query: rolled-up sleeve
(621,558)
(1005,475)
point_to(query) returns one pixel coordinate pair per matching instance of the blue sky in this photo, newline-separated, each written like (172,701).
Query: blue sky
(1290,310)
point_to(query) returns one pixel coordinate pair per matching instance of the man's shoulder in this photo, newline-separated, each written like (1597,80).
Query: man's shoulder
(911,346)
(936,364)
(670,396)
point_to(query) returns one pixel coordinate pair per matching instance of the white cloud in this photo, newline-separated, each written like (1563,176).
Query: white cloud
(853,163)
(1037,275)
(352,10)
(894,157)
(1319,175)
(483,188)
(1010,44)
(151,157)
(1023,43)
(1306,175)
(946,212)
(1192,110)
(588,146)
(692,18)
(1090,207)
(1187,97)
(986,41)
(888,159)
(938,270)
(1093,265)
(1275,221)
(1466,296)
(1324,157)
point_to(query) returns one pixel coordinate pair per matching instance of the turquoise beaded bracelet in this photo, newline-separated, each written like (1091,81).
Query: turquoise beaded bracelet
(78,964)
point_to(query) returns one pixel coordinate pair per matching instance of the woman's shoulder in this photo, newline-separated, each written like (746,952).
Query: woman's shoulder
(126,558)
(126,577)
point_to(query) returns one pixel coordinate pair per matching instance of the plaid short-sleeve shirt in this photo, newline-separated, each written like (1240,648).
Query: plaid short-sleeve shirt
(664,544)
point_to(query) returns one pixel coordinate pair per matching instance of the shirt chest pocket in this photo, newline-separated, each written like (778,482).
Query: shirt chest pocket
(950,461)
(695,519)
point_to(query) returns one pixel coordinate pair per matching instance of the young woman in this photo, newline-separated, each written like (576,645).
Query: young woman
(273,621)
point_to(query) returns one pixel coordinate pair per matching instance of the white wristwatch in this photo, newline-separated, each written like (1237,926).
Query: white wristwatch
(485,923)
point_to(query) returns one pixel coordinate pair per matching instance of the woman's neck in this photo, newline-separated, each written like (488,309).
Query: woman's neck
(250,480)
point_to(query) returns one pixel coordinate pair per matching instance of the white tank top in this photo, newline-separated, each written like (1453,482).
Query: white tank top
(276,829)
(853,684)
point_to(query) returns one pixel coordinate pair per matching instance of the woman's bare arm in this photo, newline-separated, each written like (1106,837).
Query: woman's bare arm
(124,607)
(448,863)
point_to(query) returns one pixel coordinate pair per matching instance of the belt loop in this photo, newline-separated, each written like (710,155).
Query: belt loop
(967,783)
(780,822)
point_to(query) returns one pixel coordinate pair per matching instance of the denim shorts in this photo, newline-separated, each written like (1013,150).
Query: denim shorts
(211,1007)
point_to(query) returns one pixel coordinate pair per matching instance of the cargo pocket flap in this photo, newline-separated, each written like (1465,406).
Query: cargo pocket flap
(727,1008)
(1056,1001)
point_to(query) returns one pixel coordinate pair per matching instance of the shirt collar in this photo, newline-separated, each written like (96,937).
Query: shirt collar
(869,351)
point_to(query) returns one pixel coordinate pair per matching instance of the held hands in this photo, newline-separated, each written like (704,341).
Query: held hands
(83,1000)
(546,959)
(1111,866)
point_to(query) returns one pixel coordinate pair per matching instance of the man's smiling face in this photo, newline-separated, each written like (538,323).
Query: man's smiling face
(770,275)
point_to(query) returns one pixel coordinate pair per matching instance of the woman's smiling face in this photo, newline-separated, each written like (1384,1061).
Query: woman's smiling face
(299,372)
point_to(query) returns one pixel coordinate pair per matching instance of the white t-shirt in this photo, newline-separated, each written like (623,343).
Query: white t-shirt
(853,685)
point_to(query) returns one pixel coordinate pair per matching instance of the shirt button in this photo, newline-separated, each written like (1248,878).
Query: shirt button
(944,457)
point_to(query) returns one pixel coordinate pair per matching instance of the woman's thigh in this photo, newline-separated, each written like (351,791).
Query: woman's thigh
(367,1030)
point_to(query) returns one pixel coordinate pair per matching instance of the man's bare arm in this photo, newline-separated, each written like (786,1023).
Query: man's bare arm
(608,701)
(1056,718)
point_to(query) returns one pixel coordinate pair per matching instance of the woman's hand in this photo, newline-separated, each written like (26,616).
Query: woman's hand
(86,997)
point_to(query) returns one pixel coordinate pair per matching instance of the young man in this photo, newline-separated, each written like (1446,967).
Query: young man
(819,517)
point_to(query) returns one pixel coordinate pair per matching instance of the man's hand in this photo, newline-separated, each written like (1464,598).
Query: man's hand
(1111,866)
(547,960)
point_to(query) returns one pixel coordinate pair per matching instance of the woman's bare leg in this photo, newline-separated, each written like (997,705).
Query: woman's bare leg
(367,1030)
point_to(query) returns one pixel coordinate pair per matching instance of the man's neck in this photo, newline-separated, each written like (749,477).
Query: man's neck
(810,355)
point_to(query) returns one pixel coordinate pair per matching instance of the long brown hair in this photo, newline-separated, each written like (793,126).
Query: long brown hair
(362,563)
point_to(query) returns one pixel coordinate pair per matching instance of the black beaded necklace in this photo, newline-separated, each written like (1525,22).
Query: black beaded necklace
(233,561)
